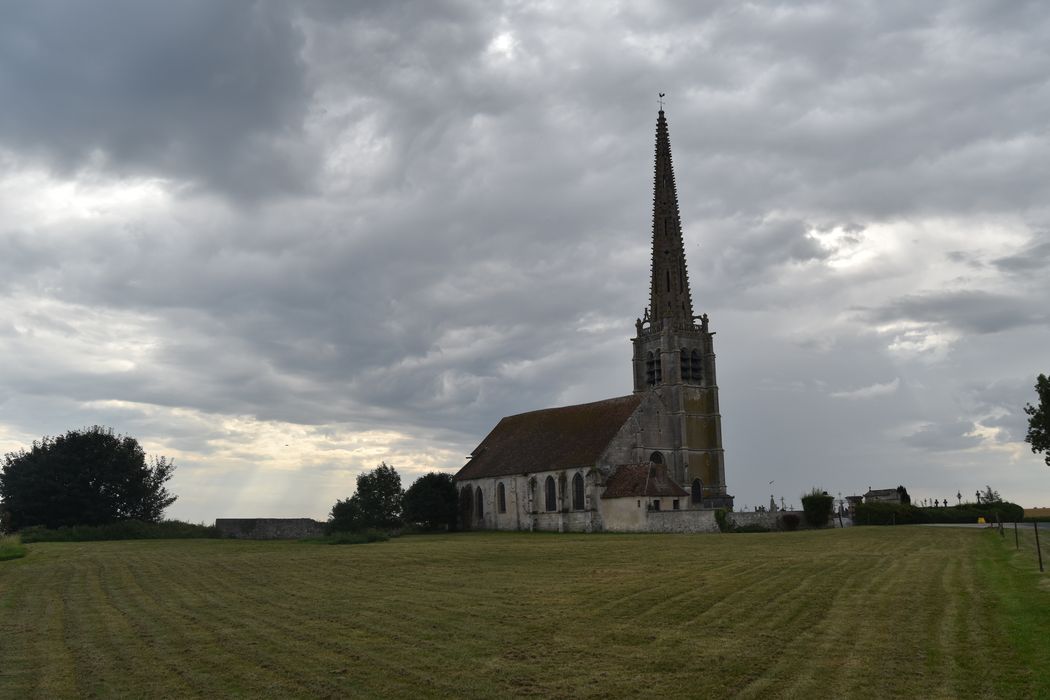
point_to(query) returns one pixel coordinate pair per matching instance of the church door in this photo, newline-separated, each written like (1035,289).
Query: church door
(697,491)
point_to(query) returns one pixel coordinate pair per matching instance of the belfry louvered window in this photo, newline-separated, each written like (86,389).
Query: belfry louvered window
(691,366)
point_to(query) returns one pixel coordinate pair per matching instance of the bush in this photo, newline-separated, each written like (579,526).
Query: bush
(723,523)
(902,514)
(124,530)
(790,521)
(877,513)
(753,527)
(11,548)
(817,506)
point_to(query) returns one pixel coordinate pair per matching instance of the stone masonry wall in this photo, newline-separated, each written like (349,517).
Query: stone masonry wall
(767,519)
(682,521)
(269,528)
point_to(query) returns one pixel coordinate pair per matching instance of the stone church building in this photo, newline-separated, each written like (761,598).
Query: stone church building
(649,461)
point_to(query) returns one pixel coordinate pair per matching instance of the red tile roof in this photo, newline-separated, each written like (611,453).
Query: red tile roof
(638,480)
(554,438)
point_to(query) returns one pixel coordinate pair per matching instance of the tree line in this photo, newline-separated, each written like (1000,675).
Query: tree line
(93,477)
(430,503)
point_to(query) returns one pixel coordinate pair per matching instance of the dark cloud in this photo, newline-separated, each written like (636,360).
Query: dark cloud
(943,436)
(421,217)
(1034,257)
(969,311)
(214,94)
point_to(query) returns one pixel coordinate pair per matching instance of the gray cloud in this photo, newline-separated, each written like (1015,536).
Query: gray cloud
(942,437)
(419,218)
(213,94)
(971,311)
(1034,257)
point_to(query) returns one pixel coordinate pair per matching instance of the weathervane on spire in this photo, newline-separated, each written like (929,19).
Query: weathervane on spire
(661,100)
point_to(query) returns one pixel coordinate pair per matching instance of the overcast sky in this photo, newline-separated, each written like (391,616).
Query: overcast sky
(281,244)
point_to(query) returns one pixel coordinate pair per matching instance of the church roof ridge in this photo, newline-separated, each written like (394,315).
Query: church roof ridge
(570,406)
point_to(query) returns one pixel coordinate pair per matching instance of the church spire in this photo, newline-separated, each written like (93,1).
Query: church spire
(669,297)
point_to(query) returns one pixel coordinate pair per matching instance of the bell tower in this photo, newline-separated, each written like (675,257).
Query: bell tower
(674,352)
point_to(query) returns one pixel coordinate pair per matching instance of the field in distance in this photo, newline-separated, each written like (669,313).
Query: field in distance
(861,612)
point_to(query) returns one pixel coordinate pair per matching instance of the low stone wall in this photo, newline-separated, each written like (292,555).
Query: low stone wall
(269,528)
(767,519)
(681,521)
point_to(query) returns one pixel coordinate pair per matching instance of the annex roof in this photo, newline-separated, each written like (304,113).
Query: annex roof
(550,439)
(645,479)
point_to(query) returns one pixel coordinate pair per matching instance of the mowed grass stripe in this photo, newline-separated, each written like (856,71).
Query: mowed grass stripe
(861,613)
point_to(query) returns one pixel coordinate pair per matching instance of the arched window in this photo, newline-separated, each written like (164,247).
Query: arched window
(697,367)
(551,490)
(577,492)
(650,369)
(659,368)
(697,491)
(656,458)
(686,368)
(479,504)
(501,498)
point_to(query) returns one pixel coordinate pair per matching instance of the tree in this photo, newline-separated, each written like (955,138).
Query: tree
(1039,419)
(345,517)
(432,502)
(85,477)
(376,503)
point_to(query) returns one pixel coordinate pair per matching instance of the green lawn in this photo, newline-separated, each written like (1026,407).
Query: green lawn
(862,612)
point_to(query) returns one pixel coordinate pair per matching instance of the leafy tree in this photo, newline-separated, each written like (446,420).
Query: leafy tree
(432,502)
(1039,419)
(345,516)
(375,504)
(85,477)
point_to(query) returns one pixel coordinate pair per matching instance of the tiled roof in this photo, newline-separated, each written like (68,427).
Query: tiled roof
(645,479)
(554,438)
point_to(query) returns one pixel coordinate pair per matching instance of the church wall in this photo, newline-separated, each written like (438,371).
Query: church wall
(526,502)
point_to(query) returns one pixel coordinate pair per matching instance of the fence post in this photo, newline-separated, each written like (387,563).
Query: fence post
(1017,542)
(1035,526)
(1000,519)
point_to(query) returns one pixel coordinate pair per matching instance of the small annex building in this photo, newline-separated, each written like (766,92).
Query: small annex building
(651,461)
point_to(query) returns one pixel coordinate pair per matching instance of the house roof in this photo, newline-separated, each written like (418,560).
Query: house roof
(881,492)
(550,439)
(645,479)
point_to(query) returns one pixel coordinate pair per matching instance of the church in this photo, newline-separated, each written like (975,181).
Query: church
(651,461)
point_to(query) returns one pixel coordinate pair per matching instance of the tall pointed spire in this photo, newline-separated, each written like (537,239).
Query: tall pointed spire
(669,297)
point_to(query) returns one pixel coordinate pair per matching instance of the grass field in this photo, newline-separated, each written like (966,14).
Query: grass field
(861,612)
